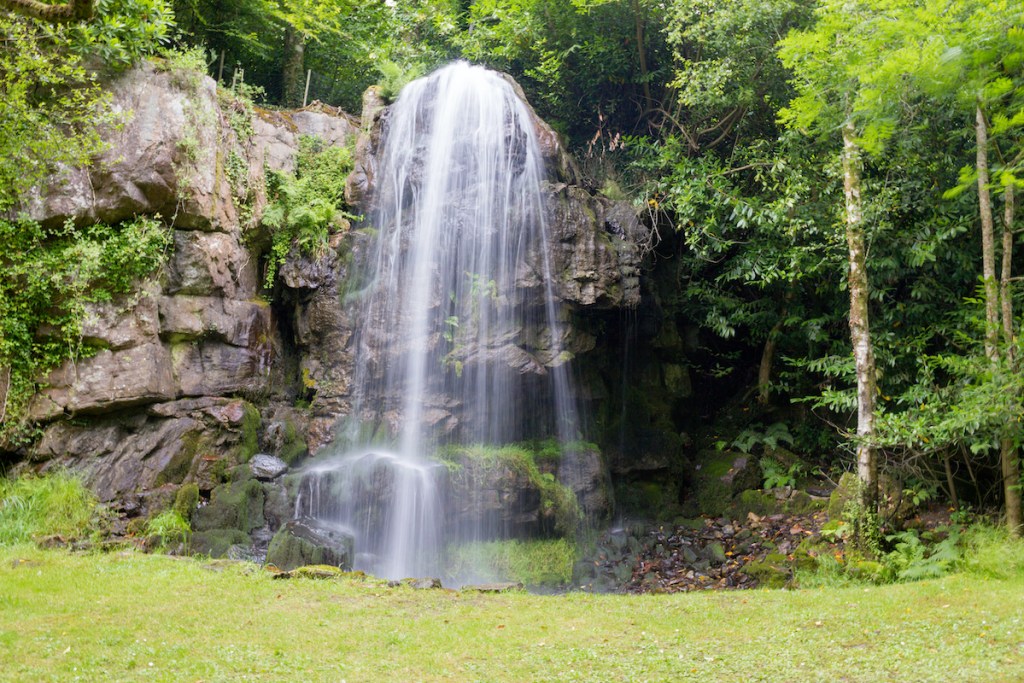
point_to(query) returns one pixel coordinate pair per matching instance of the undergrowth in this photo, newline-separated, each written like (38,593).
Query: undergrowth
(35,507)
(980,550)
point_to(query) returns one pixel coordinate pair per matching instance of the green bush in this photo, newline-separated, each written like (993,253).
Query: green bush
(49,276)
(34,507)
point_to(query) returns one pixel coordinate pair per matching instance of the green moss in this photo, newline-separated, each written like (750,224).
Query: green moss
(238,505)
(180,464)
(215,542)
(756,501)
(772,572)
(288,551)
(250,443)
(294,447)
(186,501)
(558,503)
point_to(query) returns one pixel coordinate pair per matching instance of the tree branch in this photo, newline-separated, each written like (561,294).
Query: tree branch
(72,10)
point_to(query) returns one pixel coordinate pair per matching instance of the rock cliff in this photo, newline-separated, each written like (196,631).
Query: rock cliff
(202,367)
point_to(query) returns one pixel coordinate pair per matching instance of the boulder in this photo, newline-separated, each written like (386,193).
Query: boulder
(124,322)
(163,159)
(210,368)
(276,134)
(189,318)
(266,467)
(306,541)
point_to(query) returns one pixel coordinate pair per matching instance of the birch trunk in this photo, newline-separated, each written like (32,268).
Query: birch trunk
(860,331)
(988,242)
(1008,459)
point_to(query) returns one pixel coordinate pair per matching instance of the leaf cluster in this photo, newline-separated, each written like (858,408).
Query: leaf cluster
(307,207)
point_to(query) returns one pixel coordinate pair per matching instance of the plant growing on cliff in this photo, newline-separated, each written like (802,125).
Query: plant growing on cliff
(50,275)
(306,208)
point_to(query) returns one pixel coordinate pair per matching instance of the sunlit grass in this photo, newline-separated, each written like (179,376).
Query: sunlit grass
(127,617)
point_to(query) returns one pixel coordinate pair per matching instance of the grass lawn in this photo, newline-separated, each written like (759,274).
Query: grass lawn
(129,617)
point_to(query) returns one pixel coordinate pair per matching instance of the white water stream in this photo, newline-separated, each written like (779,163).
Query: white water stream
(458,339)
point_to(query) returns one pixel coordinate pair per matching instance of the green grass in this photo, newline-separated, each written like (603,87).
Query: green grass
(129,617)
(32,507)
(538,562)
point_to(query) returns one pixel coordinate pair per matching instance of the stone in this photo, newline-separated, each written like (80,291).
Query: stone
(145,170)
(122,323)
(238,505)
(190,318)
(586,475)
(267,467)
(210,264)
(306,541)
(108,381)
(120,457)
(211,368)
(276,134)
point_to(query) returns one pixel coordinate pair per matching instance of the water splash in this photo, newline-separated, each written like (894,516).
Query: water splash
(459,339)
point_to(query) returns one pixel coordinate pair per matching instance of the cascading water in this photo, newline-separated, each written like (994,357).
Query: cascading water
(459,339)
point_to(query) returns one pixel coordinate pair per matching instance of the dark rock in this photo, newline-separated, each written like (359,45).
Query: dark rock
(108,381)
(309,542)
(216,542)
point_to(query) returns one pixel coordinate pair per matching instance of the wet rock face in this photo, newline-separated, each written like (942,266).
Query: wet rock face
(304,542)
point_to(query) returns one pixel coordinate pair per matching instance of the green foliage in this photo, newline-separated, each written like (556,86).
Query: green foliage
(547,562)
(776,475)
(50,107)
(34,507)
(911,559)
(167,529)
(50,276)
(306,208)
(768,438)
(121,32)
(395,76)
(990,552)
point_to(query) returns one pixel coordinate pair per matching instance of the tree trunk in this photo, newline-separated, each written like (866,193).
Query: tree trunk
(292,72)
(764,372)
(988,242)
(641,51)
(73,10)
(860,330)
(1009,463)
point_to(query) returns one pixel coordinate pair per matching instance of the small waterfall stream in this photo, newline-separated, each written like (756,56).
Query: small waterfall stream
(459,339)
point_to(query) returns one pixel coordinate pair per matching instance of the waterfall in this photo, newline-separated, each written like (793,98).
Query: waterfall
(459,340)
